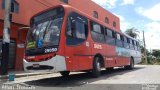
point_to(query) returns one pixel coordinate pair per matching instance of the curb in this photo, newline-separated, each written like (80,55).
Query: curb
(4,77)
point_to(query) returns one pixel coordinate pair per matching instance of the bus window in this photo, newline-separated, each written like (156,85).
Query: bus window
(126,44)
(69,29)
(109,35)
(125,39)
(119,40)
(131,44)
(118,36)
(77,29)
(97,32)
(128,40)
(138,46)
(135,46)
(97,28)
(80,30)
(122,38)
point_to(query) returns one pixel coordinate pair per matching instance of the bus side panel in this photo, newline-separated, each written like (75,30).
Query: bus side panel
(82,54)
(109,53)
(84,62)
(110,62)
(79,57)
(136,56)
(122,61)
(69,63)
(72,63)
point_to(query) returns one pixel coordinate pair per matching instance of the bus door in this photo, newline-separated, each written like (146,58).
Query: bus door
(77,44)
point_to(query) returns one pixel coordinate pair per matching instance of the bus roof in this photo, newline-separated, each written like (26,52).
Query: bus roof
(80,12)
(96,20)
(130,37)
(66,7)
(90,17)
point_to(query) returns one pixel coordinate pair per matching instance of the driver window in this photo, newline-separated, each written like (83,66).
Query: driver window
(77,29)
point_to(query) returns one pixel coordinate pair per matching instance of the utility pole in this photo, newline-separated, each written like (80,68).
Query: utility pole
(145,53)
(6,38)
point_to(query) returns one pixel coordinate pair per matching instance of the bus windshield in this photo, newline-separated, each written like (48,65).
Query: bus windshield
(45,30)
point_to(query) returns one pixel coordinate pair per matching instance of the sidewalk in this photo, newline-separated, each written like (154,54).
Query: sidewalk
(21,74)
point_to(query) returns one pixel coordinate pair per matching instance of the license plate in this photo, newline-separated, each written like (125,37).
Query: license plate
(36,65)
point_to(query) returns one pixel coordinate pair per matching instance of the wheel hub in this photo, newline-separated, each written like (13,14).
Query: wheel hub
(98,66)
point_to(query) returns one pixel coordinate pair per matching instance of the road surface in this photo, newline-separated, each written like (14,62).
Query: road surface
(143,77)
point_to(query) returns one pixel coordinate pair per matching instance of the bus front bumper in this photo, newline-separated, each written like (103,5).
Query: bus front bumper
(54,64)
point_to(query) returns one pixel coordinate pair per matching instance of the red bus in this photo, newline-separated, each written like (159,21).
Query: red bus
(64,39)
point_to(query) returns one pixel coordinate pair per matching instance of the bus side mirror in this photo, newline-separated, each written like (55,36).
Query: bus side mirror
(22,34)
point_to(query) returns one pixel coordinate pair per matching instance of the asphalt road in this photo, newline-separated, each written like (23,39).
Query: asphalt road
(141,78)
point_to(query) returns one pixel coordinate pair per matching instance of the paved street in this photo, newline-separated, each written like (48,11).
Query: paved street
(118,79)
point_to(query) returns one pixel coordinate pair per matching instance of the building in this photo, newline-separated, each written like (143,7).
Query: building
(25,9)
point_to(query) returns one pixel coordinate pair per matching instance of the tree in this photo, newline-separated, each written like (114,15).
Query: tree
(156,53)
(142,49)
(132,32)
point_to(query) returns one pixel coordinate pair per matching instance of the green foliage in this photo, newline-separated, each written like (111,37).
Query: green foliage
(153,58)
(147,52)
(156,53)
(132,32)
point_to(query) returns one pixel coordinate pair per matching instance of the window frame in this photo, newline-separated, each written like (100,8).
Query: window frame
(114,24)
(76,16)
(119,41)
(14,6)
(92,27)
(125,42)
(131,44)
(138,46)
(125,39)
(109,35)
(95,14)
(117,36)
(106,20)
(98,33)
(109,38)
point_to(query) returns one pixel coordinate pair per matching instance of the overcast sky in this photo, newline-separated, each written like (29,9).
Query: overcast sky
(141,14)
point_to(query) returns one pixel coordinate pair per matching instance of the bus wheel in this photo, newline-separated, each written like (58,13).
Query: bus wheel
(64,73)
(131,66)
(96,67)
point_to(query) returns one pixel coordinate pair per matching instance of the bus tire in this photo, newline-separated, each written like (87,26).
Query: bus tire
(64,73)
(131,66)
(96,67)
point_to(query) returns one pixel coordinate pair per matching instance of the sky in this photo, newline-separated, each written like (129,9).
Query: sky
(141,14)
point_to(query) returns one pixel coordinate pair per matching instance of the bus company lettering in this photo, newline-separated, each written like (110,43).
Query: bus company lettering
(109,58)
(97,46)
